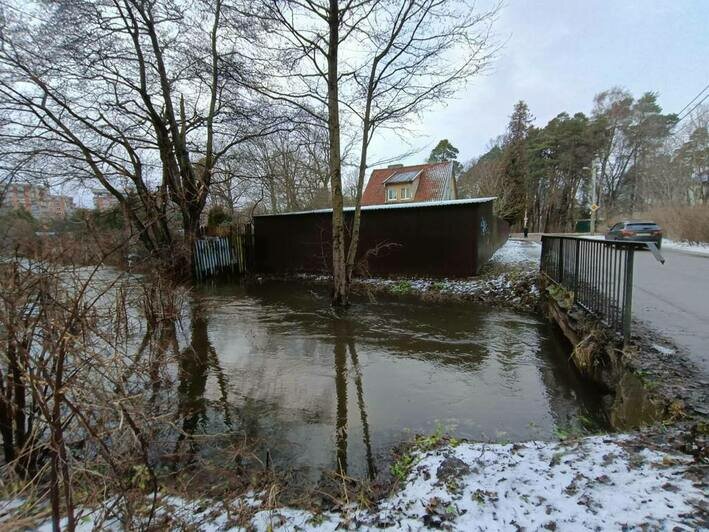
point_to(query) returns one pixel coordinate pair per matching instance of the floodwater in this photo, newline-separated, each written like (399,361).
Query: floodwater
(321,390)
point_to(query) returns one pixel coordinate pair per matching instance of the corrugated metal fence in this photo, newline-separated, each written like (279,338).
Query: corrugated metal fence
(223,255)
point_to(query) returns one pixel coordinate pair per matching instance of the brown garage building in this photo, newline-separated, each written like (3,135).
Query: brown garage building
(438,239)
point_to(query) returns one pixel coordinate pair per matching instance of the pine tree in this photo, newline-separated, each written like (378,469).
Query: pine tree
(512,202)
(444,152)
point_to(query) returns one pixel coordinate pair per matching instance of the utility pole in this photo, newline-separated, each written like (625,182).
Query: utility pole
(594,199)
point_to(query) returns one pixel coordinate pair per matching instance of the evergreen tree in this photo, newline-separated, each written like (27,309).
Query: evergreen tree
(515,168)
(443,152)
(632,134)
(560,158)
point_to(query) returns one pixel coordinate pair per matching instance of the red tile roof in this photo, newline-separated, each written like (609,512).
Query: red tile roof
(434,183)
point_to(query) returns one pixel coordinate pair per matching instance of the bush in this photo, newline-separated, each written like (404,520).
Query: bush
(683,222)
(17,232)
(218,216)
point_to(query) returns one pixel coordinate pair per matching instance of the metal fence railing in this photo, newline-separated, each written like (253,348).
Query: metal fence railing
(599,273)
(229,253)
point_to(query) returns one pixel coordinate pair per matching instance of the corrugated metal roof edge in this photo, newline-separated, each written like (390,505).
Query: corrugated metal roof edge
(417,204)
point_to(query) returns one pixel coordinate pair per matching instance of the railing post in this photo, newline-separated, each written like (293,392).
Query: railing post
(628,294)
(561,261)
(576,268)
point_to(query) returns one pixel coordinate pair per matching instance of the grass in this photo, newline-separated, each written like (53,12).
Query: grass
(564,298)
(402,287)
(402,466)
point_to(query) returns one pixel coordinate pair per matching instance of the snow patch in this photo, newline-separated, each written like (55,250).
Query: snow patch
(701,248)
(595,483)
(518,252)
(663,350)
(8,507)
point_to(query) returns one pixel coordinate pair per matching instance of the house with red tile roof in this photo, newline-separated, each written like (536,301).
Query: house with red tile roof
(417,183)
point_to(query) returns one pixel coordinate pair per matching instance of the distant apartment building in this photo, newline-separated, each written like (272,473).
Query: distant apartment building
(60,206)
(36,200)
(104,200)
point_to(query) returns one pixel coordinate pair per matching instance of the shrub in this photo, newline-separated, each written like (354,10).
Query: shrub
(682,222)
(218,216)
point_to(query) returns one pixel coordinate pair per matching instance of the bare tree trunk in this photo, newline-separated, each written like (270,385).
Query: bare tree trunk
(354,238)
(339,265)
(407,73)
(186,266)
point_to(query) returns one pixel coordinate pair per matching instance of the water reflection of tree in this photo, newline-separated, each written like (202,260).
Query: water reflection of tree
(344,342)
(194,364)
(158,345)
(570,398)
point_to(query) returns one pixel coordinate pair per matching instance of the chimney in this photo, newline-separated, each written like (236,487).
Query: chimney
(397,165)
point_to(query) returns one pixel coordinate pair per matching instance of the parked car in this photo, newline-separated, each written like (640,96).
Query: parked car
(636,231)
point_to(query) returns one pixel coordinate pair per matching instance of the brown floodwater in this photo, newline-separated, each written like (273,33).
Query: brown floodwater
(321,390)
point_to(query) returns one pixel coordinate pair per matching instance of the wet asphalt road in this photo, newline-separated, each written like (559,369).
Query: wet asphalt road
(673,299)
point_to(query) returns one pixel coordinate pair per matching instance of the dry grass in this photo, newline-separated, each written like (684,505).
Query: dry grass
(682,222)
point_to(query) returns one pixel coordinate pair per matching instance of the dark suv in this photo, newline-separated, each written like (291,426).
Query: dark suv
(637,231)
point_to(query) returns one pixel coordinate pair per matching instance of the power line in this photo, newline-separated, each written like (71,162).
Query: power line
(680,116)
(692,100)
(25,13)
(693,108)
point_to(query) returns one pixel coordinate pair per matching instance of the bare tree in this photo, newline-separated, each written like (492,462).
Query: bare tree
(132,95)
(368,66)
(285,171)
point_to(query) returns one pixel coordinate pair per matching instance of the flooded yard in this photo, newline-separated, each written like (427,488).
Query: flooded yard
(320,390)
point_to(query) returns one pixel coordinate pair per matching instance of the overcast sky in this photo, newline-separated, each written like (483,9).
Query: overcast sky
(560,53)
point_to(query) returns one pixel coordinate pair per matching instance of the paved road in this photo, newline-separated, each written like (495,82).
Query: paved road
(674,300)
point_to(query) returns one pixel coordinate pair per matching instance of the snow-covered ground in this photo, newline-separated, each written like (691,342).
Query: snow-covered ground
(516,288)
(518,252)
(697,249)
(598,483)
(595,483)
(512,280)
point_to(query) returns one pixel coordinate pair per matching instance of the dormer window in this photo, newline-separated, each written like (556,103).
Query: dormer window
(406,184)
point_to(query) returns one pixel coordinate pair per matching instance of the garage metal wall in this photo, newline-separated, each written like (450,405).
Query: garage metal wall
(449,240)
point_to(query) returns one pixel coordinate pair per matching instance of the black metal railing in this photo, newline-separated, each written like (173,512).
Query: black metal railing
(599,273)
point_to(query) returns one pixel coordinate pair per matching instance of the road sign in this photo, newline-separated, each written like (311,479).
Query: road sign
(594,207)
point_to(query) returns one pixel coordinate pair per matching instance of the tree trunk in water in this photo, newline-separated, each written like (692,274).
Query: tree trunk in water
(185,266)
(340,287)
(354,238)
